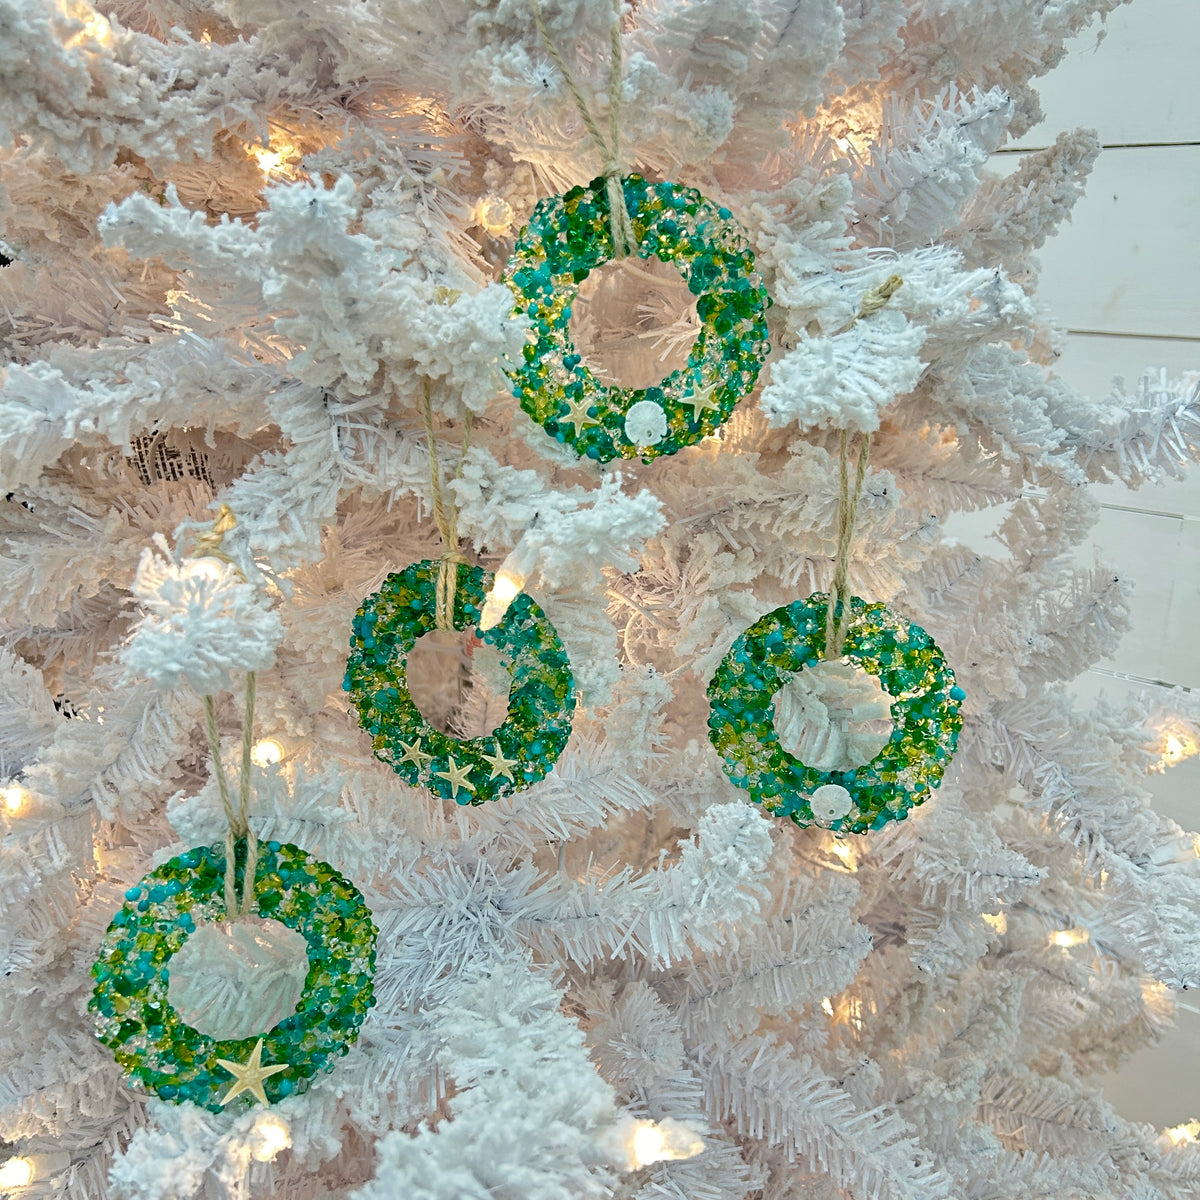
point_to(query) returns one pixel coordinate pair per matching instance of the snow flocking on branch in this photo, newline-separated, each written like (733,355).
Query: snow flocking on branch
(202,620)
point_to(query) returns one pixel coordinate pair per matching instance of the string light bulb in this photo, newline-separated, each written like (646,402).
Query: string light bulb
(1177,746)
(271,1133)
(275,158)
(266,753)
(1185,1134)
(202,568)
(997,921)
(1069,937)
(506,588)
(495,214)
(95,25)
(846,854)
(16,1173)
(654,1141)
(15,798)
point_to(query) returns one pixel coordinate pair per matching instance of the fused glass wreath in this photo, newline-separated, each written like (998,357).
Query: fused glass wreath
(911,670)
(569,236)
(540,704)
(159,1050)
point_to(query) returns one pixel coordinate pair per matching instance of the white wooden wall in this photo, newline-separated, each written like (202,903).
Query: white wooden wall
(1123,278)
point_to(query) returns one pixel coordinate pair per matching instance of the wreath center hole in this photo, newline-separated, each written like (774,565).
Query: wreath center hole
(634,321)
(459,683)
(238,979)
(833,716)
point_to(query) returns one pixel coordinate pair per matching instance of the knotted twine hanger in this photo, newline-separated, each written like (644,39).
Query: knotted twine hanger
(837,625)
(209,545)
(445,516)
(239,827)
(624,239)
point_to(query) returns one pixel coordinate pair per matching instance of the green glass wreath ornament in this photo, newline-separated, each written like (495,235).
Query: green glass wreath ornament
(911,670)
(521,750)
(567,238)
(159,1051)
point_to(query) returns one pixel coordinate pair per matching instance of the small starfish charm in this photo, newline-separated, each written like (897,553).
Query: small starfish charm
(699,400)
(249,1076)
(577,415)
(459,777)
(499,764)
(414,754)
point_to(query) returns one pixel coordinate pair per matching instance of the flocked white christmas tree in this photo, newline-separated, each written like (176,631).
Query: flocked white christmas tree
(243,241)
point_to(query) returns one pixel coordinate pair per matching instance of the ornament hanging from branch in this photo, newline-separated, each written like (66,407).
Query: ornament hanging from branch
(540,705)
(568,237)
(827,636)
(150,1039)
(449,594)
(910,668)
(615,216)
(232,1023)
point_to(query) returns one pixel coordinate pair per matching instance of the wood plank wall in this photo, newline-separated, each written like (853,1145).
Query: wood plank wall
(1123,279)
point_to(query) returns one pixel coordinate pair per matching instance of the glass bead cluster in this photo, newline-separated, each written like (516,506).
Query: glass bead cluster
(911,669)
(161,1052)
(569,236)
(540,705)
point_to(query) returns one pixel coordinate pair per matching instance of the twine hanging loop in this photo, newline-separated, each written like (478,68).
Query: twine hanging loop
(445,515)
(837,624)
(624,238)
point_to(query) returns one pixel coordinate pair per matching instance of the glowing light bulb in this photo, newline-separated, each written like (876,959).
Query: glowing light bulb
(95,25)
(271,1134)
(202,568)
(648,1145)
(495,214)
(827,1006)
(16,1173)
(653,1142)
(1069,937)
(1177,741)
(268,160)
(266,753)
(998,921)
(505,589)
(274,159)
(15,799)
(1182,1135)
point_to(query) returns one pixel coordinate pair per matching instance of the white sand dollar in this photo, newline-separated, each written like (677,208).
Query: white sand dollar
(830,802)
(645,423)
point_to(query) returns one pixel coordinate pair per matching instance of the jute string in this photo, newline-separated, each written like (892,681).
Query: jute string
(236,815)
(209,544)
(445,516)
(873,300)
(847,513)
(848,499)
(624,239)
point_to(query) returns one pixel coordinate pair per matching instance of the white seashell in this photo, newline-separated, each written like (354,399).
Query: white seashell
(238,979)
(645,423)
(833,716)
(830,802)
